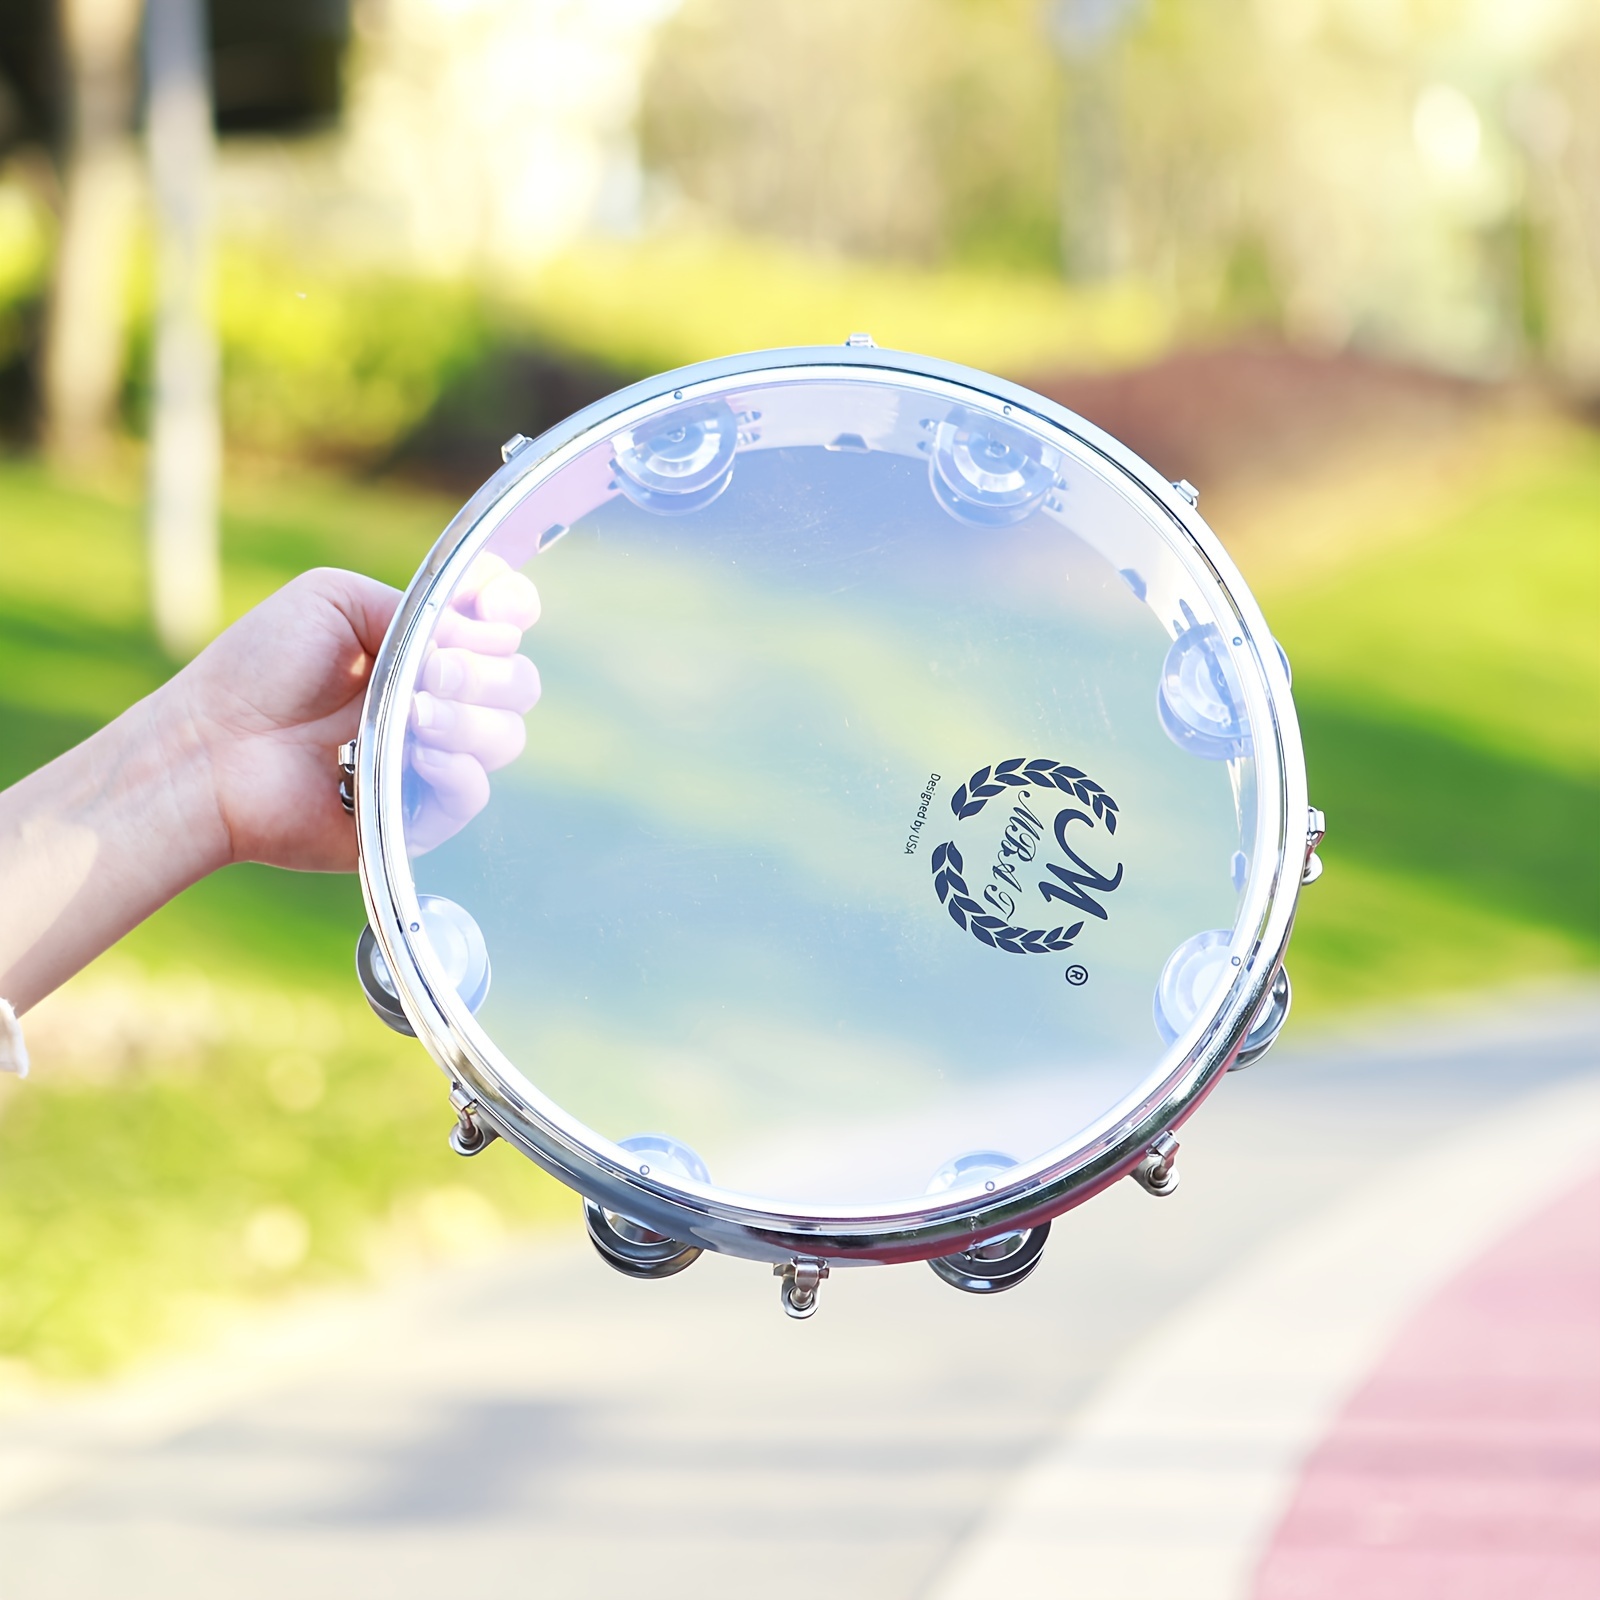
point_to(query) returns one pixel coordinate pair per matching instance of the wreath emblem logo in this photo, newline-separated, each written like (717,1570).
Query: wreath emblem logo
(990,914)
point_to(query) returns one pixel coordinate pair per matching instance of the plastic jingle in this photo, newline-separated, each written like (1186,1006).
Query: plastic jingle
(989,473)
(1190,977)
(1268,1022)
(680,462)
(1001,1261)
(1199,698)
(633,1248)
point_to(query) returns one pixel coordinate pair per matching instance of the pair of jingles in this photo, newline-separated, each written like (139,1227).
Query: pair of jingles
(911,824)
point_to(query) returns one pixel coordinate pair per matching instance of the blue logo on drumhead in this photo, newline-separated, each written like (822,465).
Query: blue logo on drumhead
(1035,866)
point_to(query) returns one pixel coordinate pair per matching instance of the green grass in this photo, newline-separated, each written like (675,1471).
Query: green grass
(1449,694)
(1449,687)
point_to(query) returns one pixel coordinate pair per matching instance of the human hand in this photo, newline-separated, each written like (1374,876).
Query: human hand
(268,702)
(271,699)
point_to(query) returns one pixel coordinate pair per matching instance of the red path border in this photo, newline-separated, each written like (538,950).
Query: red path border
(1468,1464)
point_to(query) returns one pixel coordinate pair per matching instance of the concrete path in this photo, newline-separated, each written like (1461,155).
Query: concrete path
(538,1426)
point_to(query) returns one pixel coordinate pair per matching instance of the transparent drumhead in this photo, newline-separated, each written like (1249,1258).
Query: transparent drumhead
(843,802)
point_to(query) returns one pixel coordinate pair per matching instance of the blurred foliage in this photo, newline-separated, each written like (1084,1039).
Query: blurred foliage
(921,129)
(242,1124)
(25,233)
(26,236)
(688,297)
(1258,165)
(323,360)
(342,364)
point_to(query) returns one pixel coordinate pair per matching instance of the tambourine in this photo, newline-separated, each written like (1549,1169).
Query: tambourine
(904,841)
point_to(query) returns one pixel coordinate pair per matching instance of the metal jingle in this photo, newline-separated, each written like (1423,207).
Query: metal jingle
(1268,1022)
(634,1250)
(975,1271)
(377,985)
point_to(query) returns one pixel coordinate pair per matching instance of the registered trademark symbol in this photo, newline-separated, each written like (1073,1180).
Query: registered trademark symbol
(1077,976)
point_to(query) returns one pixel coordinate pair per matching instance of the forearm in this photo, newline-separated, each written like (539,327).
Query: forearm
(93,843)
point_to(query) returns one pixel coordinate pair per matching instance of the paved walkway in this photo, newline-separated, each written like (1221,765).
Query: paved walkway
(537,1425)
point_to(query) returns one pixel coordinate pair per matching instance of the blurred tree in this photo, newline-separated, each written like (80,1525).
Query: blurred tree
(277,66)
(1100,137)
(1093,225)
(911,128)
(99,193)
(1554,116)
(71,78)
(185,427)
(1419,177)
(28,74)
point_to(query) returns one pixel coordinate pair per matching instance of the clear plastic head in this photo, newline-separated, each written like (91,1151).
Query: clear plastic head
(837,767)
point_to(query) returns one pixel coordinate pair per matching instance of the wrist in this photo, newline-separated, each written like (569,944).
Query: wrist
(94,842)
(173,788)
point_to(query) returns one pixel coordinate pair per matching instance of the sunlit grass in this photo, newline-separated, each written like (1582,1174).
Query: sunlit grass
(215,1140)
(1487,629)
(1449,694)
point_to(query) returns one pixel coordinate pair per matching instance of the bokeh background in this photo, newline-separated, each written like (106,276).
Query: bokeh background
(1335,261)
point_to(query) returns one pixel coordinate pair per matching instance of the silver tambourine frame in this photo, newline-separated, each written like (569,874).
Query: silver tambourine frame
(496,1095)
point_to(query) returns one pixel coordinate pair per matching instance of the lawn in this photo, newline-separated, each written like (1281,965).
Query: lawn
(232,1121)
(1449,693)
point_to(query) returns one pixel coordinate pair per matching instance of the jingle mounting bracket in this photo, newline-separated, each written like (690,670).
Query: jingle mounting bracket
(472,1134)
(1158,1172)
(801,1278)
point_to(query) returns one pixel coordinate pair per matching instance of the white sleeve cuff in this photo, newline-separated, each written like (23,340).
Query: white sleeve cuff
(13,1052)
